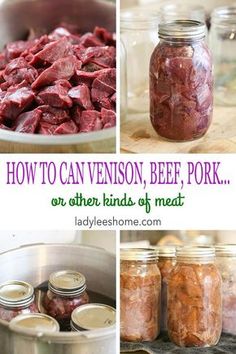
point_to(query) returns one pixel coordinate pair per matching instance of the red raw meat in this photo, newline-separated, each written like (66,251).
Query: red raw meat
(55,96)
(90,121)
(67,128)
(53,51)
(15,101)
(27,122)
(81,95)
(61,83)
(62,69)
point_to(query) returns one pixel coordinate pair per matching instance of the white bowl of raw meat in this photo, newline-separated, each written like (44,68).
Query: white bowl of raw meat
(57,76)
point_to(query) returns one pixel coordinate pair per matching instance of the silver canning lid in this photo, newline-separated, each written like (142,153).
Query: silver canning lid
(195,252)
(67,283)
(92,316)
(225,250)
(182,29)
(225,15)
(138,254)
(166,251)
(38,322)
(16,294)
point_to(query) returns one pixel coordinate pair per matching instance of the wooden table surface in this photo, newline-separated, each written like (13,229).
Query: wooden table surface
(138,136)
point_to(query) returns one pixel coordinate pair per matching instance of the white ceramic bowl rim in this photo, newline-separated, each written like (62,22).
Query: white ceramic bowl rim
(66,139)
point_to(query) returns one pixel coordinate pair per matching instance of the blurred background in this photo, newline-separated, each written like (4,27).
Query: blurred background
(14,239)
(167,237)
(209,5)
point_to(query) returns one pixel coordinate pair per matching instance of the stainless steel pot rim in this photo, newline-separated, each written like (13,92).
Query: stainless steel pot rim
(63,337)
(36,139)
(62,245)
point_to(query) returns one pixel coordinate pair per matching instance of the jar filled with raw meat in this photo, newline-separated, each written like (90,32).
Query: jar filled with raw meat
(140,291)
(195,298)
(166,263)
(226,263)
(66,291)
(16,298)
(181,82)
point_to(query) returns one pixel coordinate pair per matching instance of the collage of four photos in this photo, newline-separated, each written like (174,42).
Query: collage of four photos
(116,78)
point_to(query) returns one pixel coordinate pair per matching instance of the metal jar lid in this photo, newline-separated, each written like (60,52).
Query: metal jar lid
(16,294)
(182,29)
(67,283)
(225,250)
(138,254)
(92,316)
(37,322)
(166,251)
(201,252)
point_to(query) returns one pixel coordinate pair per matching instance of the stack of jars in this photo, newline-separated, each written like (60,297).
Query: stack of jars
(65,305)
(187,285)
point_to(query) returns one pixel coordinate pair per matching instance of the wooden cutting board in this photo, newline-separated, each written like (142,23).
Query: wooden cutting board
(138,136)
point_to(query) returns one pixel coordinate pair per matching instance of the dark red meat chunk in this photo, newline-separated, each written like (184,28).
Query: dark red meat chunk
(27,122)
(105,36)
(15,101)
(15,49)
(55,96)
(53,51)
(90,40)
(108,118)
(67,128)
(90,121)
(47,128)
(81,95)
(19,70)
(62,69)
(83,77)
(104,85)
(103,57)
(53,115)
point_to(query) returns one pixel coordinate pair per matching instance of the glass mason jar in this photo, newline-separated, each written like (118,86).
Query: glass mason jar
(226,263)
(181,82)
(139,35)
(222,40)
(166,263)
(195,298)
(66,291)
(16,298)
(140,291)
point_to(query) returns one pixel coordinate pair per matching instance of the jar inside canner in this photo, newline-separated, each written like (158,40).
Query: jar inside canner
(92,272)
